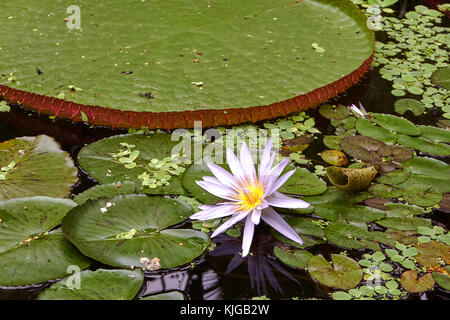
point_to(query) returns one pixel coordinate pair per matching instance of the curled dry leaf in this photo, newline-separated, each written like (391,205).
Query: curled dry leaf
(351,179)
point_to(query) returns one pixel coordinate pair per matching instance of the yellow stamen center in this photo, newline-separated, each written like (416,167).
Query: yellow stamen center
(250,196)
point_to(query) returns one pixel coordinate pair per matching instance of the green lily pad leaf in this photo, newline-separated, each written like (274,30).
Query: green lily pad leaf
(334,112)
(349,236)
(35,166)
(367,128)
(338,196)
(341,295)
(413,105)
(342,212)
(304,183)
(422,195)
(174,295)
(411,283)
(121,285)
(101,161)
(28,253)
(442,279)
(351,179)
(194,173)
(435,134)
(405,237)
(305,228)
(128,76)
(334,157)
(424,145)
(362,147)
(441,77)
(431,254)
(345,273)
(385,191)
(105,191)
(396,124)
(394,178)
(403,210)
(427,171)
(332,142)
(295,258)
(404,223)
(126,231)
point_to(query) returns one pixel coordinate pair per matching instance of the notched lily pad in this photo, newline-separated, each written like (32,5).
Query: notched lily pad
(396,124)
(345,273)
(432,253)
(351,180)
(367,128)
(411,283)
(350,236)
(413,105)
(133,231)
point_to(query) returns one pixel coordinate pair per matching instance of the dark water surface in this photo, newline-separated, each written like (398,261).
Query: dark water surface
(222,274)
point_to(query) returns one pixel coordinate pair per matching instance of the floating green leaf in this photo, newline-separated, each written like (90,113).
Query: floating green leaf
(367,128)
(295,258)
(404,223)
(441,77)
(96,285)
(345,272)
(101,161)
(424,145)
(126,231)
(37,167)
(415,106)
(350,236)
(396,124)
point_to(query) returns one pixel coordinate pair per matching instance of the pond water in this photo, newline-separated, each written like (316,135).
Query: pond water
(222,274)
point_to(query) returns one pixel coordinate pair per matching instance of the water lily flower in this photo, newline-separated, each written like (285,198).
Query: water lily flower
(359,112)
(250,194)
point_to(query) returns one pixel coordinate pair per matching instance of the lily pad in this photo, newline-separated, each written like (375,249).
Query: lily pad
(334,112)
(305,228)
(413,105)
(427,171)
(304,183)
(411,283)
(441,77)
(430,254)
(127,230)
(195,173)
(424,145)
(342,212)
(29,253)
(338,196)
(422,195)
(396,124)
(121,285)
(223,65)
(404,223)
(37,167)
(362,147)
(100,160)
(367,128)
(351,179)
(295,258)
(442,279)
(105,191)
(334,157)
(345,273)
(435,134)
(350,236)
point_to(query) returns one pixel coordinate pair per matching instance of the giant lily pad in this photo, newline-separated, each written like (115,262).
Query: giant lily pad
(96,285)
(35,166)
(227,63)
(101,160)
(29,254)
(345,272)
(126,231)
